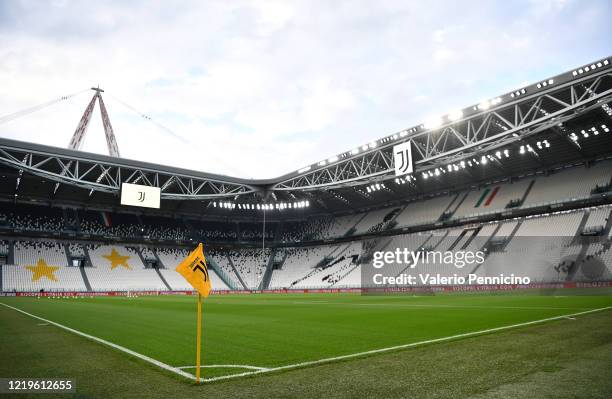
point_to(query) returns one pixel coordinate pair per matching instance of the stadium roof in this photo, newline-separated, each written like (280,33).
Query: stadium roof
(558,121)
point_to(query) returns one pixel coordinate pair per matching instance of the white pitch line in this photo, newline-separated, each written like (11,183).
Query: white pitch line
(108,343)
(228,366)
(405,346)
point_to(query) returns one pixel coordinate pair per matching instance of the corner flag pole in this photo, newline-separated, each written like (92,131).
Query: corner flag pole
(199,338)
(195,271)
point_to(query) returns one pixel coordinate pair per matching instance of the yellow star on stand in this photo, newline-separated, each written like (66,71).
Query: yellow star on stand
(42,269)
(116,259)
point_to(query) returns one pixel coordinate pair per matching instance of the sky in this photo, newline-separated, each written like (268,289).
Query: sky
(258,89)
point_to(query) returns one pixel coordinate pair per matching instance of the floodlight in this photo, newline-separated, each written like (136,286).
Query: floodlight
(484,105)
(433,123)
(455,115)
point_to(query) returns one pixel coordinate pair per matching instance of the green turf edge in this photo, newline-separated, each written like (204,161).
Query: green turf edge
(341,358)
(562,343)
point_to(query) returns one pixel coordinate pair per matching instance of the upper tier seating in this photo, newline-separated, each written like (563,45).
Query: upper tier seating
(110,224)
(536,190)
(569,184)
(493,198)
(33,218)
(425,211)
(372,221)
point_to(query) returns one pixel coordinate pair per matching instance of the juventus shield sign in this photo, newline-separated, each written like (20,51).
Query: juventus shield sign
(402,158)
(139,195)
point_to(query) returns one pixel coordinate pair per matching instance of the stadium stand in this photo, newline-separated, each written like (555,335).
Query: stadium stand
(163,228)
(552,242)
(515,188)
(171,257)
(213,230)
(563,184)
(118,266)
(29,252)
(539,239)
(76,250)
(108,224)
(298,263)
(19,278)
(556,187)
(492,198)
(221,258)
(325,274)
(424,211)
(33,218)
(250,264)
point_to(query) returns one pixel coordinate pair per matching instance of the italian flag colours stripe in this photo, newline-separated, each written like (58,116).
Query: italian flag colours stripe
(106,220)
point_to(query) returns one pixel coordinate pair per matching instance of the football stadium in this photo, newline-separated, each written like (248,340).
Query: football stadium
(466,256)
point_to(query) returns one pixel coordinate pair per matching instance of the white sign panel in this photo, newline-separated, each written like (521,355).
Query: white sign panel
(137,195)
(402,158)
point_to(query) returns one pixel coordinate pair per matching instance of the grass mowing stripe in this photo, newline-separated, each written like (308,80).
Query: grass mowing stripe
(413,305)
(325,358)
(405,346)
(108,343)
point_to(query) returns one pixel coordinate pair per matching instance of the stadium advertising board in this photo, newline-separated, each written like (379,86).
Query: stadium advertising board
(402,159)
(139,195)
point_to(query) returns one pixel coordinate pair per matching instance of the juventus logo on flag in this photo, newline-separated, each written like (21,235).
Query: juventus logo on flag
(195,271)
(199,264)
(402,159)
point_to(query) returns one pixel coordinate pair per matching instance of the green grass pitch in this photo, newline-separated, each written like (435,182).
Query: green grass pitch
(269,331)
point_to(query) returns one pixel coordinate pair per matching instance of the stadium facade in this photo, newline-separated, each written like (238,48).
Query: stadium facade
(523,175)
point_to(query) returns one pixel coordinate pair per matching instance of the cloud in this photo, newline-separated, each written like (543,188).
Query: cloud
(261,88)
